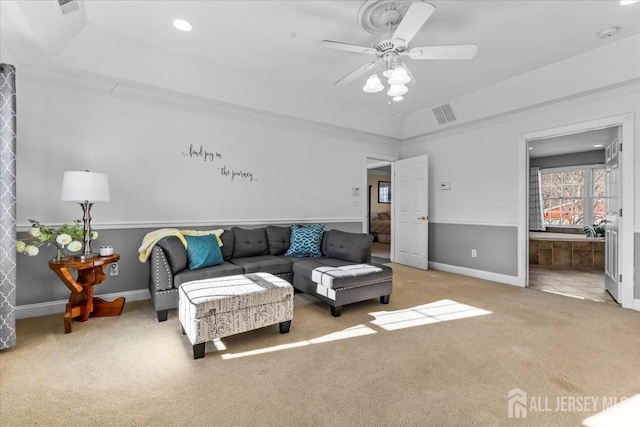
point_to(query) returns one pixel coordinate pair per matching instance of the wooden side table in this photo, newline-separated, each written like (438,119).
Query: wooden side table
(82,303)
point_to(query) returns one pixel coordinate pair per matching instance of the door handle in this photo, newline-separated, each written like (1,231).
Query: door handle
(422,217)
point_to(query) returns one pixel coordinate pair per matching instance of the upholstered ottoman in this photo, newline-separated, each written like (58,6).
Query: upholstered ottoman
(224,306)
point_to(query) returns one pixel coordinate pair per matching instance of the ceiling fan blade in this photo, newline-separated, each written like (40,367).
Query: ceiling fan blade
(348,47)
(461,51)
(413,20)
(357,73)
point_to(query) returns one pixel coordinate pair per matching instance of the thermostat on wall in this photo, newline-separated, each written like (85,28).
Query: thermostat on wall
(445,186)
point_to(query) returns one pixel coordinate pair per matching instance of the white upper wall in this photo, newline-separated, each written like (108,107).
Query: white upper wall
(298,171)
(481,160)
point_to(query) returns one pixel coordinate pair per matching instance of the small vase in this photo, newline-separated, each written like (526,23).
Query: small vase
(61,253)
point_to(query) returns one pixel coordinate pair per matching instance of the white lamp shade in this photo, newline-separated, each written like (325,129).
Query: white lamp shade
(399,76)
(85,186)
(373,84)
(397,90)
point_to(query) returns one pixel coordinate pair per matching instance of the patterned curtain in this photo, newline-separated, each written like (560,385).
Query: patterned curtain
(536,218)
(7,206)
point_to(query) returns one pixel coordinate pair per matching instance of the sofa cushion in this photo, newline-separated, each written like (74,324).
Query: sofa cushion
(228,239)
(279,239)
(305,240)
(352,247)
(203,251)
(305,269)
(224,269)
(175,253)
(250,242)
(264,264)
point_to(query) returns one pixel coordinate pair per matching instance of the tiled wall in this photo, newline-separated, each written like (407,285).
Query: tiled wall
(562,254)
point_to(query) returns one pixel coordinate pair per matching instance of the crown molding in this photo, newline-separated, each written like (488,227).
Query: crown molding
(192,102)
(623,88)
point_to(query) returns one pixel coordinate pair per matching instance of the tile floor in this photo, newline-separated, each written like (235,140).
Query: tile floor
(585,284)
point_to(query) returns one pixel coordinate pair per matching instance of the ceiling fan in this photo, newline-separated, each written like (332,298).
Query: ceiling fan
(406,18)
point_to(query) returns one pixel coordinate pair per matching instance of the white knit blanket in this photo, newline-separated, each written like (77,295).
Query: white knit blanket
(324,276)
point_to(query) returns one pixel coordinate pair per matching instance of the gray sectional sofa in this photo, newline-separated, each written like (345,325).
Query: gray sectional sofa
(262,250)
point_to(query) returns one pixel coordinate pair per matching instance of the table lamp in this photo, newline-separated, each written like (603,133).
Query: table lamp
(86,188)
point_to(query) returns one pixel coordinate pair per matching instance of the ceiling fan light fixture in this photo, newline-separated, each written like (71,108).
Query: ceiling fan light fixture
(373,85)
(397,98)
(397,90)
(399,76)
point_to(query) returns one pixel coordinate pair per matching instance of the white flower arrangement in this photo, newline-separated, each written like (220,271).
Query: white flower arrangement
(70,236)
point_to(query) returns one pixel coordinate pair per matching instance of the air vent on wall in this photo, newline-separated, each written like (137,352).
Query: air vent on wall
(444,114)
(68,6)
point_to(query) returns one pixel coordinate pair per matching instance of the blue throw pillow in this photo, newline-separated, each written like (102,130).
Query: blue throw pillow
(305,241)
(203,251)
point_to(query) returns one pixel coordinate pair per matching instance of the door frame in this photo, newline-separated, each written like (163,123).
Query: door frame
(378,160)
(627,138)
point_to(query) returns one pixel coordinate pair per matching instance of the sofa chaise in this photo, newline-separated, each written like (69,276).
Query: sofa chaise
(263,250)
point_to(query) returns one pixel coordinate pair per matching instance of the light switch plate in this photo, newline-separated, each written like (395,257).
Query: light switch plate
(445,186)
(355,191)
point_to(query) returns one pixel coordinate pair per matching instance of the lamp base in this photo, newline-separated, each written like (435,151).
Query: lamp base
(85,257)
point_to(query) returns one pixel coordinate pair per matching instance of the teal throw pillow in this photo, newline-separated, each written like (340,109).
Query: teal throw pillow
(203,251)
(305,241)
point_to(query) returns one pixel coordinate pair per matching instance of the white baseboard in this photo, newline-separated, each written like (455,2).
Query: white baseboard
(480,274)
(54,307)
(636,304)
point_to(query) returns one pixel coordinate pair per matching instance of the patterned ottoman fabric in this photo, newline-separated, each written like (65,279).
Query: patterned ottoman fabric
(224,306)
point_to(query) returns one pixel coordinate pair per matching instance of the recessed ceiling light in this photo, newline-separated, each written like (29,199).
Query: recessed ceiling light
(598,145)
(628,2)
(530,148)
(182,25)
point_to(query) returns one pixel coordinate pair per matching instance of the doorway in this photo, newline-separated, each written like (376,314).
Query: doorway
(379,180)
(620,253)
(568,207)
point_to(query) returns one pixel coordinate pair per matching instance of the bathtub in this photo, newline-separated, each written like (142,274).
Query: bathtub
(565,250)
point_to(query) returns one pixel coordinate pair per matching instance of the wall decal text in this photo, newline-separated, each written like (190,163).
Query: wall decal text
(210,156)
(232,174)
(206,155)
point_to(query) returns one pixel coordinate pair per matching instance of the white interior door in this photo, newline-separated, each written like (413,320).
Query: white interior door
(611,259)
(411,225)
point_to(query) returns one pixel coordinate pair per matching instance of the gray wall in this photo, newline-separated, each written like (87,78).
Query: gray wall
(497,247)
(575,159)
(38,284)
(636,276)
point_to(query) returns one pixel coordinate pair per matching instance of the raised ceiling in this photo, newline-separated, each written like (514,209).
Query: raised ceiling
(277,43)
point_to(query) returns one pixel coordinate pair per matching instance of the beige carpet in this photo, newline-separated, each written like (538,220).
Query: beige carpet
(131,370)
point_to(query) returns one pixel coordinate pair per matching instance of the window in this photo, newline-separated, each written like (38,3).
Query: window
(573,196)
(384,192)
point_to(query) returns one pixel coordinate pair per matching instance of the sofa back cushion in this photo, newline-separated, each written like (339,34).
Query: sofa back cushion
(249,242)
(279,239)
(175,252)
(228,240)
(353,247)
